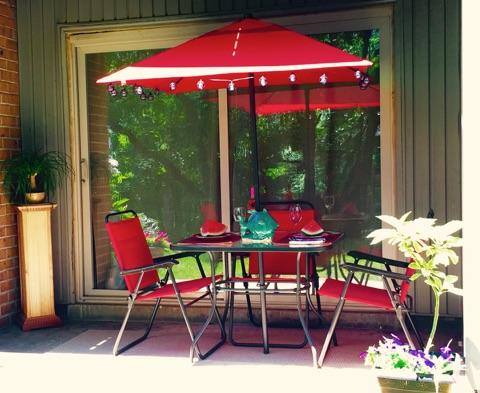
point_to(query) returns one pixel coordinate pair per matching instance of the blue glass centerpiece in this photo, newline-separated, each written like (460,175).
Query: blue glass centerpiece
(258,228)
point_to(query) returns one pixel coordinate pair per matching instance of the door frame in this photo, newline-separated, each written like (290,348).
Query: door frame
(77,41)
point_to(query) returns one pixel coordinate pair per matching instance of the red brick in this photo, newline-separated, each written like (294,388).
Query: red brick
(13,295)
(11,98)
(10,54)
(12,252)
(9,144)
(8,308)
(4,320)
(8,285)
(7,22)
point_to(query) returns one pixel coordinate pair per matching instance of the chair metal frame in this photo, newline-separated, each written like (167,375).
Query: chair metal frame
(167,262)
(390,280)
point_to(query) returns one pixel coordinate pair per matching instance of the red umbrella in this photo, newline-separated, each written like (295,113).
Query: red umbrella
(250,53)
(338,97)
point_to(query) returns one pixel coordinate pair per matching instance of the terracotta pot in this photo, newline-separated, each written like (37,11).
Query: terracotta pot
(403,385)
(35,197)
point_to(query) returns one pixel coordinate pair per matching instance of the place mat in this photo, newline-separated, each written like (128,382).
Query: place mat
(227,238)
(325,239)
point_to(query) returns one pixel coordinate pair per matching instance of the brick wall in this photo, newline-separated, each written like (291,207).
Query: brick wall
(9,144)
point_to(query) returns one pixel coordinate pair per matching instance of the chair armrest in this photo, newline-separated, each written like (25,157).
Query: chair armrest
(377,272)
(163,265)
(374,258)
(179,255)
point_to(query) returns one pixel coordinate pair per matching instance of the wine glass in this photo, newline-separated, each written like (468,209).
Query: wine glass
(239,213)
(295,211)
(329,202)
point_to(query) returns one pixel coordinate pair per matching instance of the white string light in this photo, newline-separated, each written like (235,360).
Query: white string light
(138,90)
(292,77)
(263,81)
(200,84)
(231,86)
(323,79)
(172,86)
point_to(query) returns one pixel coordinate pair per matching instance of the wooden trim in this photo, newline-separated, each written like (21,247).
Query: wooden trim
(224,156)
(36,207)
(80,40)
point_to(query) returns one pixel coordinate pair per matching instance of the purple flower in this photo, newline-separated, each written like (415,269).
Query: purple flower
(396,339)
(161,235)
(429,363)
(446,353)
(417,353)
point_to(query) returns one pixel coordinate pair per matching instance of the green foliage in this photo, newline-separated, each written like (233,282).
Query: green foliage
(33,171)
(163,158)
(429,248)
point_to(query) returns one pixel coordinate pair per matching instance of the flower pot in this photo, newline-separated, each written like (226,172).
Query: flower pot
(35,197)
(406,385)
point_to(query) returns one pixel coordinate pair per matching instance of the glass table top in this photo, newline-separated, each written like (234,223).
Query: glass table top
(240,246)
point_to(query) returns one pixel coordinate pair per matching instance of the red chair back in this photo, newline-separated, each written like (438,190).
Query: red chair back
(282,262)
(405,286)
(131,250)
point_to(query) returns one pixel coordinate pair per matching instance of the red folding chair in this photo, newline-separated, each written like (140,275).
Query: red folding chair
(392,297)
(279,267)
(140,272)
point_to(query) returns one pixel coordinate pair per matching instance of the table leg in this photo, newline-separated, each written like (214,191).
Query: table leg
(263,303)
(226,277)
(299,309)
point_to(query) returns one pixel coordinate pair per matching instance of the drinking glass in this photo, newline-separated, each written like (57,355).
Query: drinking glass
(239,213)
(329,202)
(295,213)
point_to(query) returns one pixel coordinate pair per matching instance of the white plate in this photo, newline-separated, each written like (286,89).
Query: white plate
(198,236)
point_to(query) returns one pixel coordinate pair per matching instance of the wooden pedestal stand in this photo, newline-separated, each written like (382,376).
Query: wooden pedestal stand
(36,270)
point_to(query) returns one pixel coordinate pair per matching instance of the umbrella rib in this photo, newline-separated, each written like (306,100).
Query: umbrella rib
(235,44)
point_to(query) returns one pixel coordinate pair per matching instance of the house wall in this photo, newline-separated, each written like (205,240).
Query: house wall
(426,49)
(9,144)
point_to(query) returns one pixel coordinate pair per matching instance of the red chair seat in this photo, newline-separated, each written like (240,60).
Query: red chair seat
(183,287)
(357,293)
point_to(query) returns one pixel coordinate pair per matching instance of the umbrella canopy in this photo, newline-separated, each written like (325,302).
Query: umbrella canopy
(237,52)
(247,53)
(338,97)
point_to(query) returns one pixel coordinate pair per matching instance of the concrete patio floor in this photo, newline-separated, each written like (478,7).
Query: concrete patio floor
(77,357)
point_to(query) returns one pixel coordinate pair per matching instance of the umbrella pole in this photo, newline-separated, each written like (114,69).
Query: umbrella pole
(254,138)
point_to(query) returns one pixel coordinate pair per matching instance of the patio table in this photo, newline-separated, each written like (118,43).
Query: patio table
(228,285)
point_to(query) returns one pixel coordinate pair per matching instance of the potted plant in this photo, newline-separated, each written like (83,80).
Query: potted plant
(429,248)
(30,177)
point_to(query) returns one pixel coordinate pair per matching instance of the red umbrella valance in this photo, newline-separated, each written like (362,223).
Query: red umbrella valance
(337,97)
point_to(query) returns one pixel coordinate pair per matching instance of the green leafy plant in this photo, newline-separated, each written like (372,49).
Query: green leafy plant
(429,247)
(29,172)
